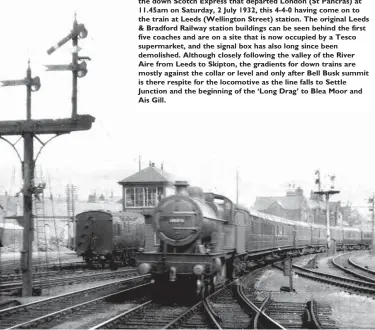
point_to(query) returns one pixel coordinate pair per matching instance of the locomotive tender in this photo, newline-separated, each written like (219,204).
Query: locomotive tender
(109,238)
(202,239)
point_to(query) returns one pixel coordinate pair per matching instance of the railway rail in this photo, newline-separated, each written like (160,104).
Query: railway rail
(345,263)
(365,269)
(40,313)
(16,286)
(144,316)
(45,275)
(229,307)
(349,284)
(12,270)
(223,309)
(294,315)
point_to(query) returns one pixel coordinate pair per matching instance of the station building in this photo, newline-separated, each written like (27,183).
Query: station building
(295,206)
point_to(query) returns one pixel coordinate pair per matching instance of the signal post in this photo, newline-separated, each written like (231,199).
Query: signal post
(371,201)
(28,129)
(327,194)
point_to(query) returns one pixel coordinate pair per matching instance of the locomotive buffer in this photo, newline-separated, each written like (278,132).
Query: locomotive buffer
(29,129)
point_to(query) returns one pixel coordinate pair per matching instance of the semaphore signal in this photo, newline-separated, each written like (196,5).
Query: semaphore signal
(78,65)
(29,129)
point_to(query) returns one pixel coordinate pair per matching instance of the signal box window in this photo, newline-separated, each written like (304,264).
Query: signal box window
(139,197)
(156,240)
(152,196)
(143,197)
(129,197)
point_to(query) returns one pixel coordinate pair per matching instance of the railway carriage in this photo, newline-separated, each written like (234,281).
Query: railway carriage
(366,237)
(352,237)
(109,238)
(200,240)
(318,235)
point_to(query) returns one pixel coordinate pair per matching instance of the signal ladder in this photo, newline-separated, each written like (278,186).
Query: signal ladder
(39,211)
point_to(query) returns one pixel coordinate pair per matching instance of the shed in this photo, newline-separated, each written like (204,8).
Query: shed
(11,233)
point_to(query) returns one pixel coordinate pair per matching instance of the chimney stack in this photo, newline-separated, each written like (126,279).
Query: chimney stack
(181,187)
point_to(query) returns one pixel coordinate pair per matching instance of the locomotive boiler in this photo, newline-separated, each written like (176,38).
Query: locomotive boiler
(195,232)
(109,238)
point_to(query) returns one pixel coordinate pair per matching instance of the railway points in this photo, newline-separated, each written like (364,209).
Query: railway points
(180,238)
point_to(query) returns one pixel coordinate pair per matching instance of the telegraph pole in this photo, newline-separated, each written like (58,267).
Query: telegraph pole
(371,200)
(237,186)
(327,194)
(29,129)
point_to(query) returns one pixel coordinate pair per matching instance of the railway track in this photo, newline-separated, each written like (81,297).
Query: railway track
(294,315)
(221,310)
(44,312)
(348,284)
(12,271)
(15,287)
(365,269)
(345,263)
(45,275)
(148,315)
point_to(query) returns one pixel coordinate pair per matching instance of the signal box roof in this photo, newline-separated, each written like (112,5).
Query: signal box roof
(149,174)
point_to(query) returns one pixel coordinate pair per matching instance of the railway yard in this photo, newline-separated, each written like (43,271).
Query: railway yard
(330,293)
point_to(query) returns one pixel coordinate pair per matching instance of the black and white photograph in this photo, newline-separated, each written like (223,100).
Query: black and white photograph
(187,164)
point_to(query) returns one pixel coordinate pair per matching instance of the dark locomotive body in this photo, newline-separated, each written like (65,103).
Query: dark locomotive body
(109,238)
(202,239)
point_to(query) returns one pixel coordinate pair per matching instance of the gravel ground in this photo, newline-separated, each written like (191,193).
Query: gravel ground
(349,311)
(97,318)
(54,291)
(365,259)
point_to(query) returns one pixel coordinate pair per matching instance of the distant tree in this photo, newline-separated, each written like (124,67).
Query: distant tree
(355,218)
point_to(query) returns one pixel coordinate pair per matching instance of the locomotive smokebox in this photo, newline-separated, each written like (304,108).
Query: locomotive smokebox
(184,217)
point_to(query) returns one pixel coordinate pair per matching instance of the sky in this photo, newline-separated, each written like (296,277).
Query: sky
(272,141)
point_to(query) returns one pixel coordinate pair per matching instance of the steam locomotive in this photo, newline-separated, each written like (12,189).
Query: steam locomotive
(109,238)
(200,240)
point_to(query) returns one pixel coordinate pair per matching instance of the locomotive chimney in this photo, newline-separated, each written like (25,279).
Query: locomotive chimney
(181,187)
